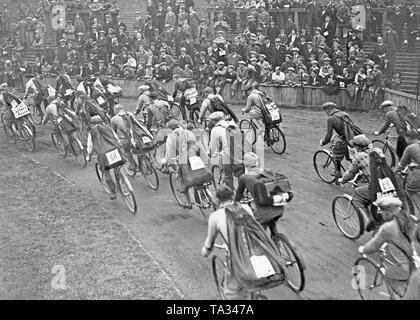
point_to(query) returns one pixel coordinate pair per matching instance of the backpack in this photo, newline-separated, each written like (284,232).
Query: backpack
(161,113)
(107,147)
(255,260)
(269,185)
(270,110)
(141,139)
(216,104)
(350,129)
(410,119)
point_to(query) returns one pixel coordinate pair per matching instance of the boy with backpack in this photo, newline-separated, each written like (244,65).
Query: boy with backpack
(213,103)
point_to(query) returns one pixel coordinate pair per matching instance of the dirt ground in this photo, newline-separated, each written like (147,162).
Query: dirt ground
(174,236)
(46,221)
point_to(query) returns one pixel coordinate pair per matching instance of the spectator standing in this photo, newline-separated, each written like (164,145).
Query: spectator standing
(79,25)
(313,10)
(328,31)
(411,29)
(391,40)
(343,19)
(194,23)
(398,21)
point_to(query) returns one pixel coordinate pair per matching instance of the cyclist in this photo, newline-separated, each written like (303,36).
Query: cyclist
(87,107)
(101,139)
(144,100)
(266,215)
(218,224)
(191,95)
(206,105)
(226,138)
(65,88)
(392,117)
(40,92)
(118,124)
(254,103)
(335,123)
(399,228)
(181,85)
(361,164)
(180,143)
(8,100)
(411,158)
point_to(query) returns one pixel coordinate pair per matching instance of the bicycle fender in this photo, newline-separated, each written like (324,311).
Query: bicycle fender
(348,196)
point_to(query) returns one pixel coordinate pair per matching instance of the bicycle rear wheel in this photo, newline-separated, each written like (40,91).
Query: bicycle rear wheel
(398,267)
(387,151)
(250,131)
(218,266)
(347,217)
(175,187)
(59,144)
(78,151)
(149,172)
(293,262)
(217,172)
(11,137)
(324,166)
(37,114)
(276,140)
(204,201)
(369,280)
(101,179)
(126,191)
(176,112)
(28,137)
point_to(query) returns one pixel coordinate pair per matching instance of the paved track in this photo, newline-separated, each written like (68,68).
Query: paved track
(174,236)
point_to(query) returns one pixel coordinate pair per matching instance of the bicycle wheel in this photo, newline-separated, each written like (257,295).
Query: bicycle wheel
(11,137)
(37,114)
(126,191)
(156,156)
(293,262)
(250,131)
(59,144)
(347,217)
(276,140)
(369,280)
(205,140)
(28,137)
(217,172)
(218,266)
(101,179)
(175,187)
(176,112)
(398,266)
(324,166)
(202,124)
(204,201)
(387,151)
(148,172)
(78,151)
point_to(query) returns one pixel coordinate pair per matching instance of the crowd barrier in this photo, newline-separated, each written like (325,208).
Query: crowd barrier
(286,96)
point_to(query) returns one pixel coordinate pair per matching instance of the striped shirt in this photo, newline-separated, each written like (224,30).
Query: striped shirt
(394,118)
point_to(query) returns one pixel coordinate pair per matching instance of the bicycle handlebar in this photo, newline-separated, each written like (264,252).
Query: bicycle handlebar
(221,246)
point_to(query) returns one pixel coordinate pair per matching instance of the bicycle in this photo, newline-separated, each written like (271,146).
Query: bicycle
(288,251)
(123,187)
(219,271)
(203,198)
(273,135)
(22,127)
(218,173)
(413,207)
(387,149)
(324,162)
(73,143)
(388,278)
(146,168)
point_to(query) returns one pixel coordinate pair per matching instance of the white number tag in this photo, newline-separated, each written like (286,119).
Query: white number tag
(101,100)
(113,156)
(146,139)
(20,110)
(51,91)
(69,92)
(275,115)
(14,104)
(193,100)
(196,163)
(262,266)
(386,185)
(81,87)
(59,119)
(278,200)
(170,98)
(342,84)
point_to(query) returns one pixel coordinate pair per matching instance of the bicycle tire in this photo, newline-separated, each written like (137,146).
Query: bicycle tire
(58,141)
(291,257)
(323,161)
(217,172)
(399,266)
(174,183)
(249,129)
(126,191)
(276,137)
(205,140)
(37,115)
(218,267)
(78,151)
(176,112)
(100,176)
(202,124)
(378,288)
(148,172)
(387,150)
(342,204)
(206,205)
(11,137)
(28,137)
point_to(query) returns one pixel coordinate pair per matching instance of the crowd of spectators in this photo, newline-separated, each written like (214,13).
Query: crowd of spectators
(171,42)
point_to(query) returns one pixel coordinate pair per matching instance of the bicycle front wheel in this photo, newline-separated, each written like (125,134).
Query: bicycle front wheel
(387,151)
(218,266)
(78,151)
(101,178)
(176,187)
(126,191)
(149,172)
(59,144)
(369,280)
(204,201)
(295,267)
(37,114)
(249,130)
(276,140)
(9,131)
(28,137)
(347,217)
(324,166)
